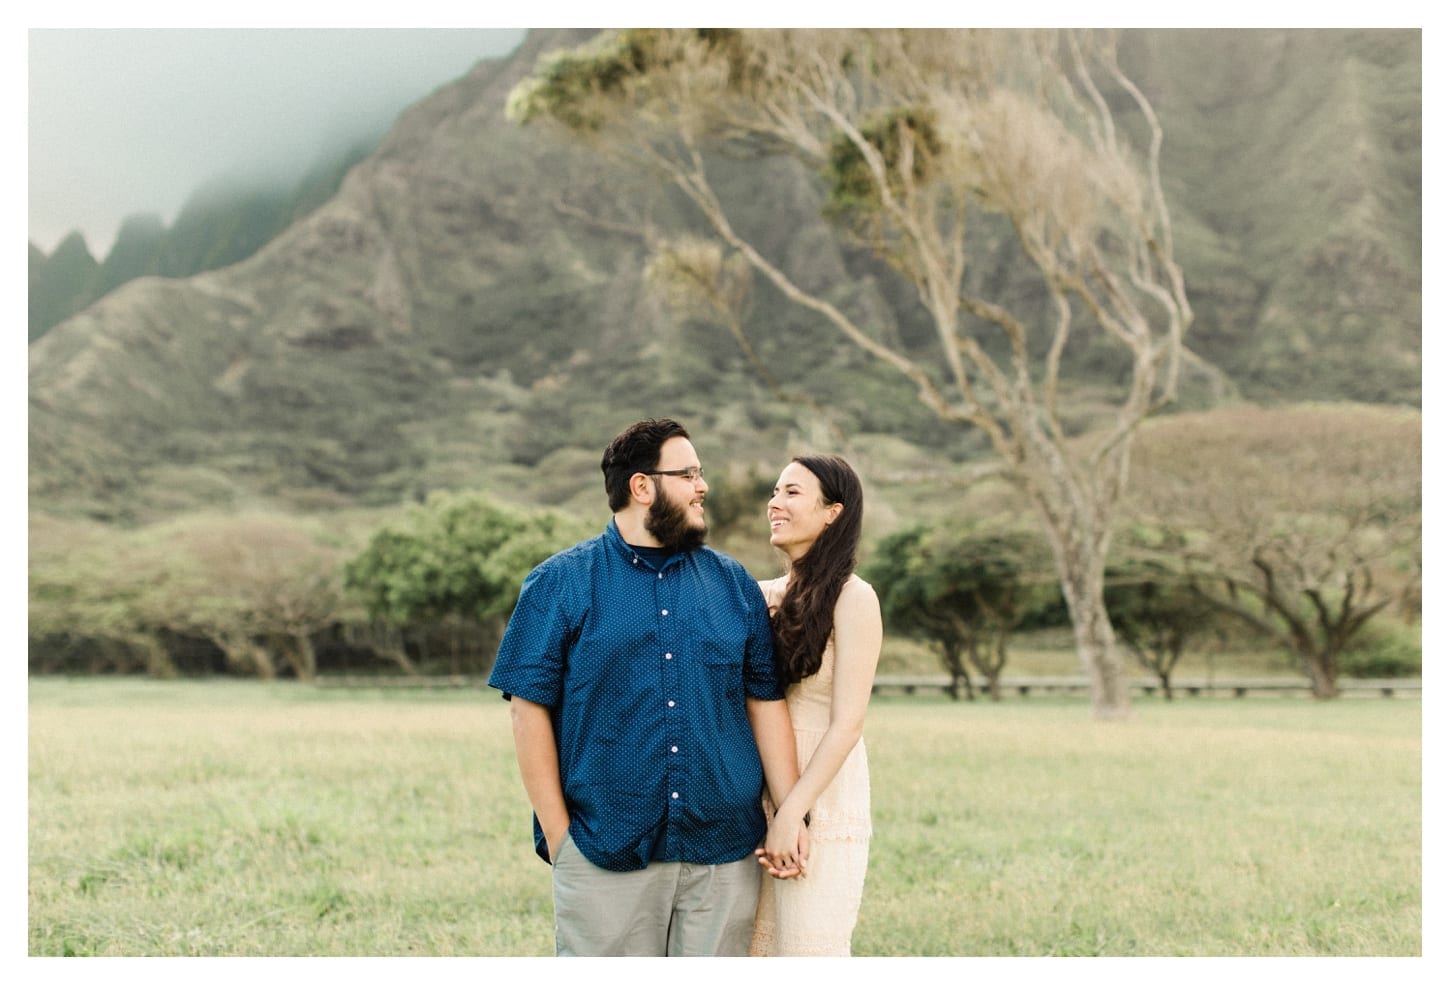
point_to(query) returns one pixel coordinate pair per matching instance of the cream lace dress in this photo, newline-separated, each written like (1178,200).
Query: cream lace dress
(815,915)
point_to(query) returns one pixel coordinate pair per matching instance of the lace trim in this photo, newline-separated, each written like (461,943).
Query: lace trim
(841,832)
(765,945)
(830,826)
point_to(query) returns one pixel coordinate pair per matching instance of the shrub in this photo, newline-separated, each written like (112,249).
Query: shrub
(1383,648)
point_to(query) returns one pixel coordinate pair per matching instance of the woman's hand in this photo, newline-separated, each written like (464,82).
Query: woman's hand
(787,848)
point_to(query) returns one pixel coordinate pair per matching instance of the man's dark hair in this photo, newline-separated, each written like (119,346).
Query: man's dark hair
(635,449)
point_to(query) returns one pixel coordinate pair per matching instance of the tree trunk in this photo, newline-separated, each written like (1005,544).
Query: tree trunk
(398,656)
(158,661)
(994,686)
(1097,649)
(961,681)
(385,641)
(991,669)
(1167,655)
(1322,680)
(1079,547)
(245,654)
(962,684)
(303,657)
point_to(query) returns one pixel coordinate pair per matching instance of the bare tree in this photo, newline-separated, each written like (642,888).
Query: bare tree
(259,586)
(1302,522)
(923,137)
(83,599)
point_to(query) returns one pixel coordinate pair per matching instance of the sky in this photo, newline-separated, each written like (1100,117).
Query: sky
(130,115)
(132,120)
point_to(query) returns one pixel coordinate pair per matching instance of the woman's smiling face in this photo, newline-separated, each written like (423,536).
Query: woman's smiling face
(796,511)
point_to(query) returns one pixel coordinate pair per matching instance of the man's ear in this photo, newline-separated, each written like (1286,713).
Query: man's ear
(642,489)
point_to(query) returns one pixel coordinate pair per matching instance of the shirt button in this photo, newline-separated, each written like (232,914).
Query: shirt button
(669,656)
(672,704)
(664,612)
(661,576)
(674,748)
(676,795)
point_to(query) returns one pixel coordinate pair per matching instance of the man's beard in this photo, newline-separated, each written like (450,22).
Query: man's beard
(670,525)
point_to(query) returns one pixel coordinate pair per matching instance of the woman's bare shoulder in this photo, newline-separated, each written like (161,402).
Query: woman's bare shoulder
(772,589)
(857,591)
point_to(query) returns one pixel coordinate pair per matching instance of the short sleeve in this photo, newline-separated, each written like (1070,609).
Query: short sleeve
(531,657)
(761,678)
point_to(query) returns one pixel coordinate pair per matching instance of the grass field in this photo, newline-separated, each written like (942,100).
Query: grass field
(245,819)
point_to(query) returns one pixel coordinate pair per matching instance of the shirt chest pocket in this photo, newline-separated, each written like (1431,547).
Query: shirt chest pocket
(724,676)
(723,654)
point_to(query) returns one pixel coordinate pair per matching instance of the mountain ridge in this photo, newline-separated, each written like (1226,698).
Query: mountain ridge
(447,319)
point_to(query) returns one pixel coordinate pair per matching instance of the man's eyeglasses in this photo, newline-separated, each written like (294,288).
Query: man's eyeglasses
(693,473)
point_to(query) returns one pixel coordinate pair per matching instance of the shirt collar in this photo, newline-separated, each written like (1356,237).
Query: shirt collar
(622,547)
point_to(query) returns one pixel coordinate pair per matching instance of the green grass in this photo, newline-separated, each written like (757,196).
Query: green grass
(243,819)
(1274,827)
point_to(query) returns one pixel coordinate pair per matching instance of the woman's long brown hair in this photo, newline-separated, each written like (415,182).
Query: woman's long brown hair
(803,621)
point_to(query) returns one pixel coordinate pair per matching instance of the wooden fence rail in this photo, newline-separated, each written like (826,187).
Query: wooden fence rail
(1021,686)
(1192,687)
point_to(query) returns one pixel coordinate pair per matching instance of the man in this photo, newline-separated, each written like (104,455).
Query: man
(646,715)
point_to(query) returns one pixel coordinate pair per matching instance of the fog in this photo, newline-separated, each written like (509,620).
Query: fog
(128,121)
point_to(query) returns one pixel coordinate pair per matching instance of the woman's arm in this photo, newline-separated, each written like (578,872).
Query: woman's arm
(858,648)
(774,737)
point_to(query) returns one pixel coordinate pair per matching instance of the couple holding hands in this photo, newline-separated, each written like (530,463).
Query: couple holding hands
(690,739)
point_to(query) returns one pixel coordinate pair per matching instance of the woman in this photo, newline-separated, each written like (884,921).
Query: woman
(827,627)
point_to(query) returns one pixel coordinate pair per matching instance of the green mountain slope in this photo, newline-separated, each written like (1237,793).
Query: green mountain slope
(468,309)
(221,223)
(1293,161)
(60,284)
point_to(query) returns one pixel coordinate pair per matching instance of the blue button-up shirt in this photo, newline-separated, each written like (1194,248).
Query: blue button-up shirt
(645,670)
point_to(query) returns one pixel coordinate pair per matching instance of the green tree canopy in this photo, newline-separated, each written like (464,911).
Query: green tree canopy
(1157,613)
(965,591)
(459,555)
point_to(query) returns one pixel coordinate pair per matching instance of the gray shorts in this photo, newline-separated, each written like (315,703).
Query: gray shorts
(667,909)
